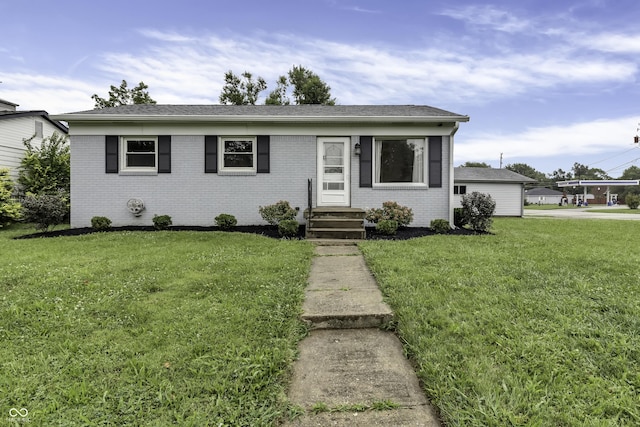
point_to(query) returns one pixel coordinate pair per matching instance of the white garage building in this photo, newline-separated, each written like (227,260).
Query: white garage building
(504,186)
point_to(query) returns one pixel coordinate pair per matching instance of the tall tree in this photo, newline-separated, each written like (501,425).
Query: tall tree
(632,172)
(475,165)
(124,96)
(306,88)
(243,91)
(560,175)
(526,170)
(278,96)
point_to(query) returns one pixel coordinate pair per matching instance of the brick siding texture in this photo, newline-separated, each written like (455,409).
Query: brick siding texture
(192,197)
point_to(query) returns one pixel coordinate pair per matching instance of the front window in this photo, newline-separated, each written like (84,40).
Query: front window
(238,154)
(139,153)
(399,160)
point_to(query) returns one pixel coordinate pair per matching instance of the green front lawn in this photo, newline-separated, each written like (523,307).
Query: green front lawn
(157,328)
(536,325)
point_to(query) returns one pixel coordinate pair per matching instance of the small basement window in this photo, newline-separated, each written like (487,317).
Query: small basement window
(139,154)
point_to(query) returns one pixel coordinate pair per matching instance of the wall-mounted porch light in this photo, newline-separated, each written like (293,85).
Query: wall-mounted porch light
(356,149)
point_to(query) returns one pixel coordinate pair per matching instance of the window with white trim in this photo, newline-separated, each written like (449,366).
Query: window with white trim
(399,161)
(139,153)
(238,154)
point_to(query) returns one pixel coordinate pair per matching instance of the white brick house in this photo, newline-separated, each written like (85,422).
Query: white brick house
(193,162)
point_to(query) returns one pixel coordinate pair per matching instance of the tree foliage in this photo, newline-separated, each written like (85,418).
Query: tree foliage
(10,209)
(124,96)
(300,84)
(526,170)
(475,165)
(243,91)
(45,169)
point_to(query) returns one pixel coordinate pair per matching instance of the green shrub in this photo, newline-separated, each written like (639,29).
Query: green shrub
(477,210)
(278,212)
(226,221)
(45,169)
(387,226)
(46,210)
(632,200)
(440,226)
(100,223)
(161,222)
(10,209)
(288,228)
(458,217)
(391,211)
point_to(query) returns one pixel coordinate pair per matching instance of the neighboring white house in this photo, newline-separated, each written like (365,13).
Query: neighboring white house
(504,186)
(193,162)
(16,126)
(544,196)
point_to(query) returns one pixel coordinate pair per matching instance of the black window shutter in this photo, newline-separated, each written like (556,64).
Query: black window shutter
(210,154)
(435,161)
(164,154)
(263,153)
(366,166)
(111,145)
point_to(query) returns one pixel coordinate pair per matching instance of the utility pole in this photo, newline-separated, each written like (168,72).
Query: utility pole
(501,160)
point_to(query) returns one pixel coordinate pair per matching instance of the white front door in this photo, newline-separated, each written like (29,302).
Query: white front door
(334,156)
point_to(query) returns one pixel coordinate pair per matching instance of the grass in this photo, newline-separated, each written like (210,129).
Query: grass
(154,329)
(534,325)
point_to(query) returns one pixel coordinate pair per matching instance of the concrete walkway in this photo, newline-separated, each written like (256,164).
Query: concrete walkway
(348,361)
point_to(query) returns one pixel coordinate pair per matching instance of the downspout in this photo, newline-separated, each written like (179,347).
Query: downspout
(451,177)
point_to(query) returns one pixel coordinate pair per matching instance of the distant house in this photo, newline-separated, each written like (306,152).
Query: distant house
(504,186)
(543,196)
(193,162)
(16,126)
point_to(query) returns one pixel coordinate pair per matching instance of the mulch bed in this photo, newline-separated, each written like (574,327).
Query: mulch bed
(403,233)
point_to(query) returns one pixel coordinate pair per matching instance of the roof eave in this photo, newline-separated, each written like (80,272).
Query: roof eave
(253,118)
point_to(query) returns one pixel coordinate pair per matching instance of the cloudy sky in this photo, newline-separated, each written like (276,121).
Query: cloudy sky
(545,82)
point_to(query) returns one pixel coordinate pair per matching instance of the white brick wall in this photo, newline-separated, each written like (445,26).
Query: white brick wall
(192,197)
(187,194)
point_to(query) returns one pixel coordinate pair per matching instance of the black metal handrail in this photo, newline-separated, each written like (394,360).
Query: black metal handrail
(309,196)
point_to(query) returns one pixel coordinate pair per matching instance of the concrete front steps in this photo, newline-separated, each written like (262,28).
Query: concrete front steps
(335,223)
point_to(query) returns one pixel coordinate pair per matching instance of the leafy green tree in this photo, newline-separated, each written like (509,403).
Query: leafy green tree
(306,88)
(560,175)
(475,165)
(632,172)
(10,209)
(278,96)
(45,169)
(124,96)
(243,91)
(526,170)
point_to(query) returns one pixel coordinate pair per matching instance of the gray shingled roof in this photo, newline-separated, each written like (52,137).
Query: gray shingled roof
(543,191)
(466,174)
(4,115)
(312,111)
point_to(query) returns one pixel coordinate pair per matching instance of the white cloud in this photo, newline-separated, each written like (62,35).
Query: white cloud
(488,16)
(598,137)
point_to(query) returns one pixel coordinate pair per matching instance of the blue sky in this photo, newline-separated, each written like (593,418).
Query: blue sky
(547,83)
